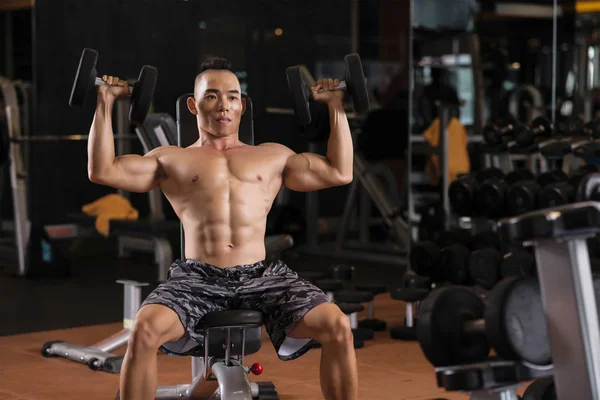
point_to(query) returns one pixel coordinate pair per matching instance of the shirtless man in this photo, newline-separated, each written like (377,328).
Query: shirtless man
(222,190)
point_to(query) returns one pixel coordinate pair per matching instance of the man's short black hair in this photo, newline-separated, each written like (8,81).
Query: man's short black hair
(215,63)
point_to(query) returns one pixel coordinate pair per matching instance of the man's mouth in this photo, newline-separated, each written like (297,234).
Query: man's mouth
(223,120)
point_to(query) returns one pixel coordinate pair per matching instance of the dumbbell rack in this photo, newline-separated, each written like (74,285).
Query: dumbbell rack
(490,380)
(567,286)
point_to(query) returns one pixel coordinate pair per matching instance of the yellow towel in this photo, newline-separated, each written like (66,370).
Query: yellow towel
(111,206)
(458,156)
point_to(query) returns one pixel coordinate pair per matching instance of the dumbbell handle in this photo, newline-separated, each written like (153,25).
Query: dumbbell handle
(474,326)
(100,82)
(341,86)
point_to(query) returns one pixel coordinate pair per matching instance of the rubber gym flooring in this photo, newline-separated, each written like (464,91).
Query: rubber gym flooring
(88,307)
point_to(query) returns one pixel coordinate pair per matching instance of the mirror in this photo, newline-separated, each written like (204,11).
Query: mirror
(474,63)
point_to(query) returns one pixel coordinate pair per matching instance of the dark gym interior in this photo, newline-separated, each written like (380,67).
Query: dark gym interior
(468,227)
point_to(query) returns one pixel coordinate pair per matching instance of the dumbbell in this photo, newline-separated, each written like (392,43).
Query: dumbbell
(591,129)
(412,298)
(370,322)
(455,326)
(540,128)
(499,132)
(522,196)
(588,145)
(354,83)
(540,389)
(489,265)
(560,193)
(449,262)
(570,126)
(351,310)
(354,297)
(413,290)
(461,191)
(490,196)
(336,278)
(87,78)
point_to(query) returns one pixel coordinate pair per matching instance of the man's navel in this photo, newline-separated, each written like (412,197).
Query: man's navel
(259,177)
(194,178)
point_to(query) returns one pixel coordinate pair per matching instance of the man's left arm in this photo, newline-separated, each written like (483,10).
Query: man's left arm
(306,172)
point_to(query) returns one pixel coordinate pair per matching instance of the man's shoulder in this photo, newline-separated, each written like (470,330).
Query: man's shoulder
(274,146)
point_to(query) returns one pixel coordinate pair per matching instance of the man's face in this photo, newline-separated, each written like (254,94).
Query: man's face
(218,101)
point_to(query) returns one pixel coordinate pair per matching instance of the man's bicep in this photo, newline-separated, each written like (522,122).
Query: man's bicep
(306,172)
(137,173)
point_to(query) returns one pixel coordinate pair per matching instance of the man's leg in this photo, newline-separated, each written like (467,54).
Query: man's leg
(154,325)
(327,324)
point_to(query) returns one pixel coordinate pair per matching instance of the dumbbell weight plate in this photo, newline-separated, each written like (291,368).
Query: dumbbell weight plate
(356,83)
(440,328)
(518,263)
(84,78)
(454,261)
(484,267)
(142,95)
(516,323)
(300,95)
(522,197)
(540,389)
(425,260)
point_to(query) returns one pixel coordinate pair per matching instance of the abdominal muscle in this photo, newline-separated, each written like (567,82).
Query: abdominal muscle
(224,220)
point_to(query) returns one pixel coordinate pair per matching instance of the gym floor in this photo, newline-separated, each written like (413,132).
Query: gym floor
(88,307)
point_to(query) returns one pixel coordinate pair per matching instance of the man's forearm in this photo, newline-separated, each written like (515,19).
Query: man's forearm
(340,150)
(101,146)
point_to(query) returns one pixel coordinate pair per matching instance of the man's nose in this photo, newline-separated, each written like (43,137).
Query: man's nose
(224,104)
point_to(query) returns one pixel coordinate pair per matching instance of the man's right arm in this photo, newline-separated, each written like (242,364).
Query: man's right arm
(131,172)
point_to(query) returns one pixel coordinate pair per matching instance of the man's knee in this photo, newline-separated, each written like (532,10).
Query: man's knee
(335,329)
(154,326)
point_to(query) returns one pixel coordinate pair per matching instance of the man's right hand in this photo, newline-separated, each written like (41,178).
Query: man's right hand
(118,88)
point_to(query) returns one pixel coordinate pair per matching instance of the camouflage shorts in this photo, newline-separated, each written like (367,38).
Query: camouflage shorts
(194,288)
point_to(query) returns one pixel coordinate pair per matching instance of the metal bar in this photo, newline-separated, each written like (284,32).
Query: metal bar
(571,317)
(68,138)
(444,113)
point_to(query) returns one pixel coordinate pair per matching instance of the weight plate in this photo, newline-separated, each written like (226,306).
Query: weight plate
(85,77)
(484,267)
(516,323)
(556,194)
(556,175)
(440,327)
(522,197)
(490,196)
(540,389)
(461,194)
(143,94)
(454,261)
(300,95)
(356,83)
(518,263)
(491,134)
(543,126)
(520,174)
(425,260)
(592,129)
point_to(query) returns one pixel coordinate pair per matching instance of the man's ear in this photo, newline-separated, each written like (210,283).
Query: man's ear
(191,103)
(243,105)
